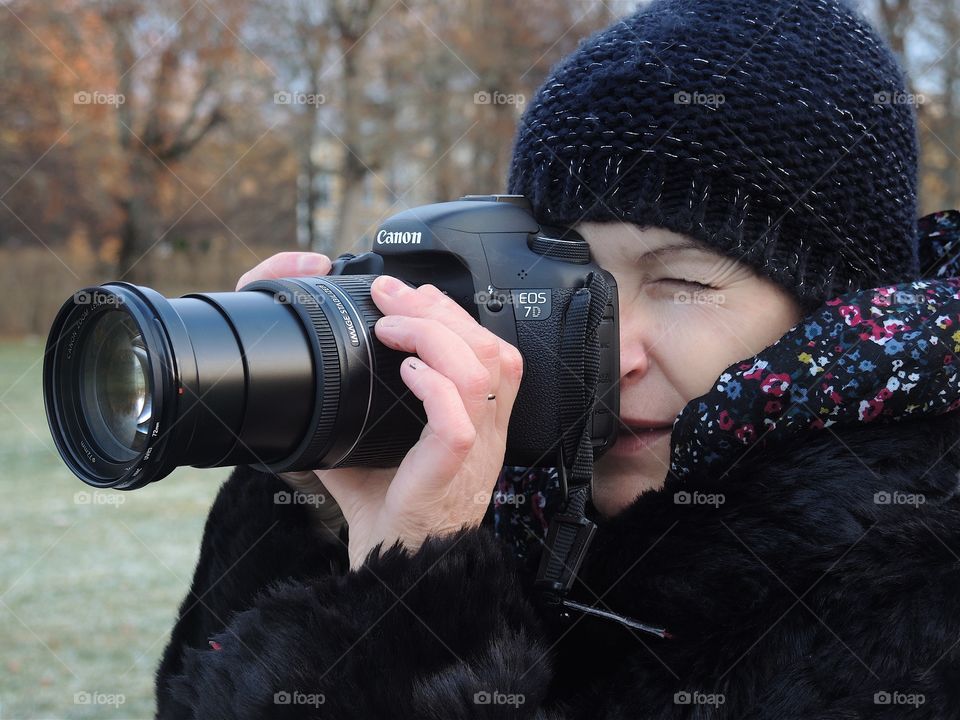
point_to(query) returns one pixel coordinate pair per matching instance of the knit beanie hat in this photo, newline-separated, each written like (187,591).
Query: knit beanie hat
(778,132)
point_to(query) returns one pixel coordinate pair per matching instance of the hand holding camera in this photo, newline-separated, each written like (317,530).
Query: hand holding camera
(459,364)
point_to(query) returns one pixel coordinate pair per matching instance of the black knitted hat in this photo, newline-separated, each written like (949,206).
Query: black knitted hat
(778,132)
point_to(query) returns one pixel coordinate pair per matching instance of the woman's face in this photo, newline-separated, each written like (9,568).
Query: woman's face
(686,314)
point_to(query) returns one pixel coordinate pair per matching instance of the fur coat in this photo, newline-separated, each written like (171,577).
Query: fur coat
(803,595)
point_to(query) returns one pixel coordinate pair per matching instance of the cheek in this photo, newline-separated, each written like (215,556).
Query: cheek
(701,345)
(707,340)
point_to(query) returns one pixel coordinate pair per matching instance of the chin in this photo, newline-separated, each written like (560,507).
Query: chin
(616,484)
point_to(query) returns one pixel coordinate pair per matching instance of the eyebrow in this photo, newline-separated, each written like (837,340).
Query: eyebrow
(685,244)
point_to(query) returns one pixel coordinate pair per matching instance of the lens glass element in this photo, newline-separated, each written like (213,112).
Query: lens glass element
(115,386)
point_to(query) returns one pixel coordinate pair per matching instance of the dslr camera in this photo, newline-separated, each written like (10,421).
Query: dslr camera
(288,375)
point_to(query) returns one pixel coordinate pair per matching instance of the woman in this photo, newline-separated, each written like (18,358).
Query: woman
(778,528)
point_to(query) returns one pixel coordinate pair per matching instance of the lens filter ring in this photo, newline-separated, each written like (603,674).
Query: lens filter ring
(105,431)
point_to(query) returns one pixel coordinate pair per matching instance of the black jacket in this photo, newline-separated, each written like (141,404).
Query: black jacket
(825,585)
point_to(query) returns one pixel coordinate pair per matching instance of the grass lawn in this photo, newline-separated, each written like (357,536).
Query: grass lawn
(88,585)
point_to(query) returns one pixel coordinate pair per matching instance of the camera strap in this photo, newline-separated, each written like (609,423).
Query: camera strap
(570,530)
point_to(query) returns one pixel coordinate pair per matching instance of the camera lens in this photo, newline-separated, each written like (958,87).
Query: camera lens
(283,375)
(114,385)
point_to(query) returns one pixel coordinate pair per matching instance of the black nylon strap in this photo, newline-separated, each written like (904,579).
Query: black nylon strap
(570,532)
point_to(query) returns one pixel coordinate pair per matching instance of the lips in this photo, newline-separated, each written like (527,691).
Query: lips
(635,439)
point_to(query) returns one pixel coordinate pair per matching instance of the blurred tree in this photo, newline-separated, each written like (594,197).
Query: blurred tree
(39,182)
(896,17)
(296,36)
(926,36)
(940,120)
(172,88)
(330,80)
(353,20)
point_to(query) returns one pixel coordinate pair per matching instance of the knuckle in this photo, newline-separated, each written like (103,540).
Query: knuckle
(462,438)
(477,381)
(441,304)
(487,347)
(512,363)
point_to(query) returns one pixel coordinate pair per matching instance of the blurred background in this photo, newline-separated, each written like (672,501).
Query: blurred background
(177,143)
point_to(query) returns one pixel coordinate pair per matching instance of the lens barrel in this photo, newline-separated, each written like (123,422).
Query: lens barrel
(282,375)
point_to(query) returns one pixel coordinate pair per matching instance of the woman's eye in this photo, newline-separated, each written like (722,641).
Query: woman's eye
(693,283)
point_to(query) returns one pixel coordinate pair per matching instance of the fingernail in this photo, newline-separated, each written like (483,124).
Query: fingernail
(388,321)
(391,285)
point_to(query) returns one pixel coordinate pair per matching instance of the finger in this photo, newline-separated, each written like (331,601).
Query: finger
(427,301)
(449,434)
(511,373)
(445,352)
(424,301)
(287,264)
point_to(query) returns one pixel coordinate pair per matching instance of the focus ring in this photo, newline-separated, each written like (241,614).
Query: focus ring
(329,367)
(397,415)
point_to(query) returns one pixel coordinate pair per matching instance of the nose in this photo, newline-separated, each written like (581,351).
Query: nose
(634,344)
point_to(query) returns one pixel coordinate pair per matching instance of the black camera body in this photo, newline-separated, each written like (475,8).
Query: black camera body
(515,278)
(288,375)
